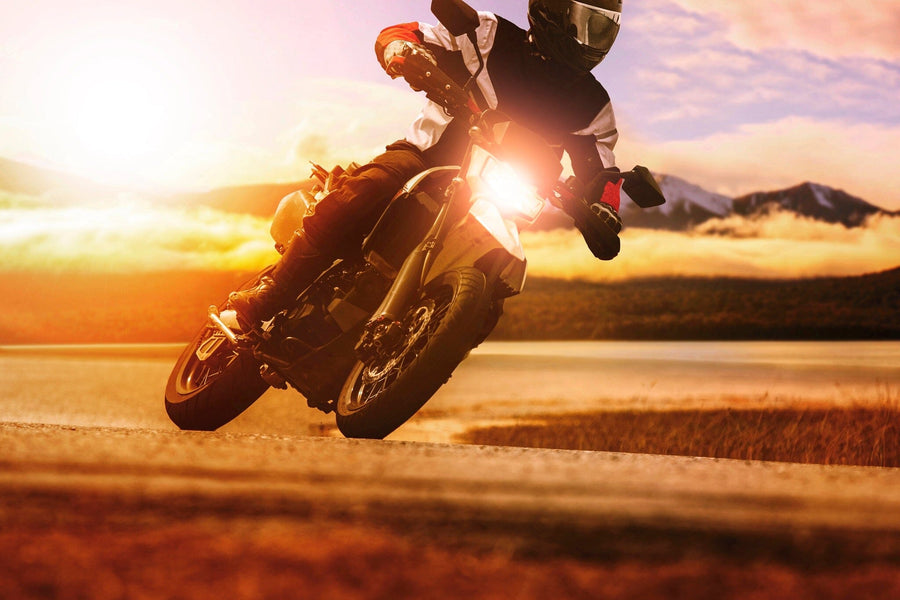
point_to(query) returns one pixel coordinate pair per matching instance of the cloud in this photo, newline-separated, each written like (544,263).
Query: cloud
(11,200)
(689,76)
(339,120)
(128,236)
(781,245)
(827,27)
(856,157)
(331,121)
(706,86)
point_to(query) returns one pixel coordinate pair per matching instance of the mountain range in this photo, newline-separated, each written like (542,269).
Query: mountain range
(22,178)
(687,205)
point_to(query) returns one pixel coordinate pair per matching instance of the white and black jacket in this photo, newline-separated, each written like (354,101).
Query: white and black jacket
(570,109)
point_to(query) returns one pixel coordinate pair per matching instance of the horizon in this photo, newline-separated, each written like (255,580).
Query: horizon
(53,172)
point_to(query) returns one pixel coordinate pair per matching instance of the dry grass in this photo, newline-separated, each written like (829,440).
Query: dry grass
(85,307)
(207,559)
(833,436)
(831,308)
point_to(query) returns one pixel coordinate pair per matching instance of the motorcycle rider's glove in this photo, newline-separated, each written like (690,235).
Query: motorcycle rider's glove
(593,209)
(397,51)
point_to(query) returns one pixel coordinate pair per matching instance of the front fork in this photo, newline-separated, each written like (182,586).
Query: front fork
(384,332)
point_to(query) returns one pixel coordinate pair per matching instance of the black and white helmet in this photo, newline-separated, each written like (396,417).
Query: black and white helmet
(577,33)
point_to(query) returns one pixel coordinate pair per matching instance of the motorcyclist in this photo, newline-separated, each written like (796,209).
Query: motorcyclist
(540,78)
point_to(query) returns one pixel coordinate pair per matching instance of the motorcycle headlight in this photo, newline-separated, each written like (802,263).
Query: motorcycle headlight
(512,194)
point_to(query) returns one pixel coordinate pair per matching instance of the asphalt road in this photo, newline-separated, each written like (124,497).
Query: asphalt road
(584,504)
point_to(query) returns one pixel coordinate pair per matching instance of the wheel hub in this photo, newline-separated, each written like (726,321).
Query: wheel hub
(416,323)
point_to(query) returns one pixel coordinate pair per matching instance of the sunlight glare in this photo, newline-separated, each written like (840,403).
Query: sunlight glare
(120,105)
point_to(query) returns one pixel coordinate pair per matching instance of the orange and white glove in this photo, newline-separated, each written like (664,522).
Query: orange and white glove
(396,51)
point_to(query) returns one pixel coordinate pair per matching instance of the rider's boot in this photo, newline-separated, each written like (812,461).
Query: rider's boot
(298,267)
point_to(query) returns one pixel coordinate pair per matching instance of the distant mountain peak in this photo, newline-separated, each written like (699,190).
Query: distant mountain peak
(688,205)
(677,190)
(24,178)
(812,200)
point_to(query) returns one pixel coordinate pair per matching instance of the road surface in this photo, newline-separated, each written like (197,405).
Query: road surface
(539,502)
(101,497)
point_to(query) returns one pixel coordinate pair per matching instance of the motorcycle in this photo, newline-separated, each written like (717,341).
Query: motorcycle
(381,330)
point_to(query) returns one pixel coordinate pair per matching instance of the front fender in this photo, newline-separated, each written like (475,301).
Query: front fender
(482,233)
(503,230)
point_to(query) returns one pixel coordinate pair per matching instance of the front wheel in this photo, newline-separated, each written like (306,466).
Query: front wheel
(440,329)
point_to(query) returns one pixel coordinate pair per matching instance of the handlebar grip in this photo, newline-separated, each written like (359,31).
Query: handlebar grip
(422,74)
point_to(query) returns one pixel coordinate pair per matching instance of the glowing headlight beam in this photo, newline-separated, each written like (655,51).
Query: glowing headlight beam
(510,192)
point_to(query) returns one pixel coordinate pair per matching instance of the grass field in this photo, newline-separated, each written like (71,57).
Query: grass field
(830,436)
(82,308)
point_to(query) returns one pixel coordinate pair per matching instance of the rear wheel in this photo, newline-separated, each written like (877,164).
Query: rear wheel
(211,384)
(439,330)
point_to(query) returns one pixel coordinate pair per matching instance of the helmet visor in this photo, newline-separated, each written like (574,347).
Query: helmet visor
(593,26)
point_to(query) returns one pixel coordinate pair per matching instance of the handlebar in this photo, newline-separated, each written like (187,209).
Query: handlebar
(422,74)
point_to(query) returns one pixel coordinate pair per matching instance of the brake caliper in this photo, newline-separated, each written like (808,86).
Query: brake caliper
(381,338)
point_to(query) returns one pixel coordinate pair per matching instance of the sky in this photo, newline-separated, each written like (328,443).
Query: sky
(729,95)
(732,96)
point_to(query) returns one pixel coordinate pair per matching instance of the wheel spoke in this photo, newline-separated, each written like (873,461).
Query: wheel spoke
(439,313)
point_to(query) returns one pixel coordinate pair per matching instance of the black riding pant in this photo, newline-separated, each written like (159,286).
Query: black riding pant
(343,218)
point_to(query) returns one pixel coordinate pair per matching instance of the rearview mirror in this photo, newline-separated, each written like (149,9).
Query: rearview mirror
(642,188)
(458,17)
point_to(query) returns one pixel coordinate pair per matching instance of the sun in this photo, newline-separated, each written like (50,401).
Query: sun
(115,112)
(118,104)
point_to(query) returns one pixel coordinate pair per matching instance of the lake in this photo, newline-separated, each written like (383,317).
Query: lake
(500,382)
